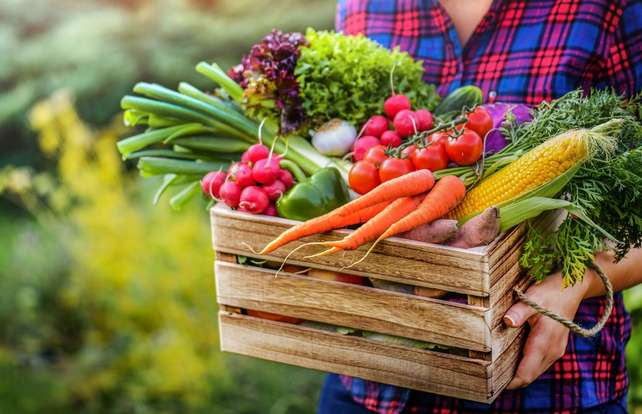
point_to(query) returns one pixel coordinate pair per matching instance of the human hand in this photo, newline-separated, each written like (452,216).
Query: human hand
(547,340)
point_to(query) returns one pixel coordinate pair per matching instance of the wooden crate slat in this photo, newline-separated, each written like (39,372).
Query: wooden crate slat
(503,368)
(504,302)
(221,210)
(498,249)
(423,370)
(394,259)
(360,307)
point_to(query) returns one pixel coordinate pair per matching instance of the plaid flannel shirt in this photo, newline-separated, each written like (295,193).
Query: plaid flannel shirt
(524,52)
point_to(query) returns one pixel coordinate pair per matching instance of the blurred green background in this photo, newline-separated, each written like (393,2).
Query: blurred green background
(106,302)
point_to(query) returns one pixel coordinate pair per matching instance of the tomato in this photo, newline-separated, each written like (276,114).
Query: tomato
(479,121)
(394,167)
(363,177)
(408,151)
(432,158)
(441,137)
(376,155)
(465,149)
(273,316)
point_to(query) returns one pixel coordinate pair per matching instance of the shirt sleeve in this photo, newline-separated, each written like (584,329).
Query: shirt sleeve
(340,18)
(623,67)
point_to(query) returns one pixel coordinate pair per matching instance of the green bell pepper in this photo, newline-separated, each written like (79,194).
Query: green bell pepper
(324,191)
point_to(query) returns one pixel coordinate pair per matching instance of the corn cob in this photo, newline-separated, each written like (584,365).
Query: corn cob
(535,168)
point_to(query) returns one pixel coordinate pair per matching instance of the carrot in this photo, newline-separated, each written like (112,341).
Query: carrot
(408,185)
(373,227)
(322,224)
(446,195)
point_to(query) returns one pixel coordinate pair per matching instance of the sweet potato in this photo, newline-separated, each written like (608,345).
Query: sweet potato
(436,232)
(478,231)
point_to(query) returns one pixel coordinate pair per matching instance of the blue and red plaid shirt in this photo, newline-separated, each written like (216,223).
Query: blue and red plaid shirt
(525,52)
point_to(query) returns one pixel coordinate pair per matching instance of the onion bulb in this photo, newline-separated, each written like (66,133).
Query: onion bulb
(334,138)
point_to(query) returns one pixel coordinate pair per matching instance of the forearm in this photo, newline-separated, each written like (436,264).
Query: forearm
(623,274)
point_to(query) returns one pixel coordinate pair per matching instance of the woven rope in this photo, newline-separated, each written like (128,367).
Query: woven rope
(575,328)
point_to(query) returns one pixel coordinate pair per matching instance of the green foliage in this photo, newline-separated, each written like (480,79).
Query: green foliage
(107,303)
(348,77)
(99,48)
(607,189)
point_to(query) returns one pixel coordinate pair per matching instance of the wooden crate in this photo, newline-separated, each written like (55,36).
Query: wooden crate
(484,352)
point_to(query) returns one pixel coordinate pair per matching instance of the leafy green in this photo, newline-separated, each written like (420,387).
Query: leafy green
(348,77)
(606,190)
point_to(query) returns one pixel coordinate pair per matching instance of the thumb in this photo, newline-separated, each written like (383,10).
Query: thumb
(518,314)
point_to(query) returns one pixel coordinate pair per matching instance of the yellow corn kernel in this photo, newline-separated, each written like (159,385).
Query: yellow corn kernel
(537,167)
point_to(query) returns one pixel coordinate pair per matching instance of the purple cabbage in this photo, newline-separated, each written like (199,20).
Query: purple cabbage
(495,141)
(267,76)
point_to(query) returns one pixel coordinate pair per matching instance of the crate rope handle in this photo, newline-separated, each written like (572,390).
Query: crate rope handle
(575,328)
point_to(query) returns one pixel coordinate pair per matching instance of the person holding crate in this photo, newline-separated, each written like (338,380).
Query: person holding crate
(520,52)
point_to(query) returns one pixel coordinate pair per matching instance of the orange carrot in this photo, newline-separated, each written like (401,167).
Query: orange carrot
(322,224)
(446,195)
(408,185)
(373,227)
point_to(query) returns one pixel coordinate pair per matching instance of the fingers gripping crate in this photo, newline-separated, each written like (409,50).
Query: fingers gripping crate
(481,353)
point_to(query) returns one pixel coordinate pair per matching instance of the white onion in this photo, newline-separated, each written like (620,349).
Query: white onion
(334,138)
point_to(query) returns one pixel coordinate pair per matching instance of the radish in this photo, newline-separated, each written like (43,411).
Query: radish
(286,178)
(267,170)
(390,139)
(274,190)
(396,103)
(405,123)
(241,174)
(212,182)
(375,126)
(362,146)
(254,153)
(424,119)
(270,210)
(253,200)
(230,193)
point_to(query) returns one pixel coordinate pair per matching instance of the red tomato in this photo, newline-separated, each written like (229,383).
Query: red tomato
(376,155)
(479,121)
(363,177)
(408,151)
(432,158)
(465,149)
(439,137)
(394,167)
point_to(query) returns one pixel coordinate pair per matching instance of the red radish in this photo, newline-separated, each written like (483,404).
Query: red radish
(390,139)
(270,210)
(424,119)
(396,103)
(212,182)
(274,190)
(375,126)
(230,193)
(405,123)
(286,178)
(254,153)
(253,200)
(362,146)
(241,174)
(267,170)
